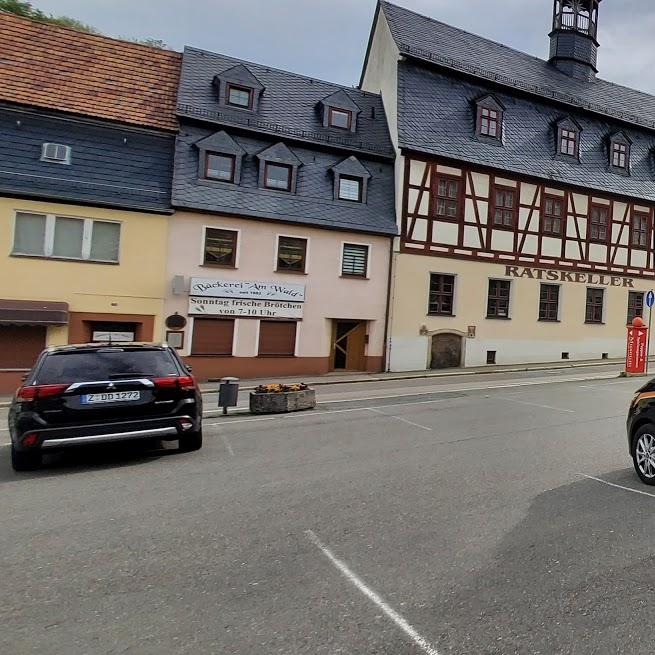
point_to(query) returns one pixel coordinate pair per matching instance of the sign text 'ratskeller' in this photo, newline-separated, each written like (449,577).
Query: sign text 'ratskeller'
(565,276)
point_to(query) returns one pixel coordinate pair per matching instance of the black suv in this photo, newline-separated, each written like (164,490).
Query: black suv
(95,393)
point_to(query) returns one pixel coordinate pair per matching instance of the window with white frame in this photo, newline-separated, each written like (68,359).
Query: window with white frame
(47,235)
(354,262)
(350,188)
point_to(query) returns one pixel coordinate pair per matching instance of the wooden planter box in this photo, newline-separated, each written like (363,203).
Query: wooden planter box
(281,403)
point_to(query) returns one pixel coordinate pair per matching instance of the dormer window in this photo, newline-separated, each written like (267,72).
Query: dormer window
(220,159)
(277,176)
(351,180)
(350,188)
(568,138)
(619,153)
(489,122)
(239,96)
(220,167)
(568,142)
(489,118)
(278,168)
(340,118)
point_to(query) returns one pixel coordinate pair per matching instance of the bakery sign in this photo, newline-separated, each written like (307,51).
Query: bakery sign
(213,288)
(597,279)
(244,308)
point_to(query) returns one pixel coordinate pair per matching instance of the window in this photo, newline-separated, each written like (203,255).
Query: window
(594,308)
(291,254)
(277,176)
(504,207)
(640,230)
(239,96)
(549,302)
(220,247)
(220,167)
(56,153)
(277,338)
(635,305)
(350,188)
(442,294)
(553,215)
(498,299)
(568,142)
(212,336)
(598,223)
(67,238)
(447,197)
(619,155)
(341,118)
(355,260)
(489,122)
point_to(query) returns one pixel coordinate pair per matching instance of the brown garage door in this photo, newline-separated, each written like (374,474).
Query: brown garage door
(20,345)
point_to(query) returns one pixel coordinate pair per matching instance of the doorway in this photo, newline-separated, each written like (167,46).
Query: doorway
(349,346)
(446,351)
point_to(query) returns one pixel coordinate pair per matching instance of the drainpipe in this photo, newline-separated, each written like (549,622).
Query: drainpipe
(389,310)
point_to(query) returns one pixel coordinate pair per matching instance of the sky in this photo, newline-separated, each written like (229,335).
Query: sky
(327,38)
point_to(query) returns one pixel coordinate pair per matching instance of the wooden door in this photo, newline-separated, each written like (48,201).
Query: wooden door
(349,346)
(446,351)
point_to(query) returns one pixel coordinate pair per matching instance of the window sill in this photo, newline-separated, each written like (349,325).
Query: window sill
(498,318)
(441,315)
(548,320)
(449,219)
(346,276)
(594,322)
(210,265)
(282,270)
(65,259)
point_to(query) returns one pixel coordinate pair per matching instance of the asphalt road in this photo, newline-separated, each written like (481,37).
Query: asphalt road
(461,519)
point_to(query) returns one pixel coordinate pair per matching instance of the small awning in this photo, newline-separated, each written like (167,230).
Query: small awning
(33,312)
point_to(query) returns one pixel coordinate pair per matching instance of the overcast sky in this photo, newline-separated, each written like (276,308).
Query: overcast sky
(327,38)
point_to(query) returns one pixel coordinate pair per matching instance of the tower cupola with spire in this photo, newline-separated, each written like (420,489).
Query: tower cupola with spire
(573,40)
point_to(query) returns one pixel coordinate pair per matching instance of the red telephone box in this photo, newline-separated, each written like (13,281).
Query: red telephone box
(635,358)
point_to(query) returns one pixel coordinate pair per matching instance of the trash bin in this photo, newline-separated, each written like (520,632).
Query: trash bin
(228,393)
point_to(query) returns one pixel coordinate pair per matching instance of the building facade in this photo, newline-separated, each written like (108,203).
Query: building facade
(279,247)
(87,133)
(525,194)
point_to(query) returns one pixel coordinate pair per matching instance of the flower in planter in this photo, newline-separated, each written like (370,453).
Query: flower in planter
(281,388)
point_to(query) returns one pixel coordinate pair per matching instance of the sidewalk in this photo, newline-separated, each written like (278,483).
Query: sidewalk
(354,378)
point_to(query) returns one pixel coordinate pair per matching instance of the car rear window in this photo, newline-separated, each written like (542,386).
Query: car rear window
(112,363)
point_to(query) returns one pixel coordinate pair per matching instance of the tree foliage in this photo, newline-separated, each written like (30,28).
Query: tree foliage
(25,9)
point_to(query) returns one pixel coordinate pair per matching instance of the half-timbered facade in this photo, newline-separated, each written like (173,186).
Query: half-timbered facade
(525,194)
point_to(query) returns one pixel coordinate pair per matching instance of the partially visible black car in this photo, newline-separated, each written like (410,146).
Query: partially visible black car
(97,393)
(641,432)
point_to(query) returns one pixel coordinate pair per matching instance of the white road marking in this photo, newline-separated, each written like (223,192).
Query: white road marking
(618,486)
(400,418)
(418,640)
(525,402)
(228,445)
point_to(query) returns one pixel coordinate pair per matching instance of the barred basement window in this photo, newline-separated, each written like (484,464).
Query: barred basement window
(635,305)
(354,262)
(442,295)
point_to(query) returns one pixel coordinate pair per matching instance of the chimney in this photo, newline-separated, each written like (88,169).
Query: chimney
(573,44)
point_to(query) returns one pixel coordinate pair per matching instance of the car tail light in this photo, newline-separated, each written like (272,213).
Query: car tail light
(30,439)
(181,382)
(38,391)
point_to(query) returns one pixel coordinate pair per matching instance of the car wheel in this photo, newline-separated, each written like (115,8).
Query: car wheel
(191,442)
(25,461)
(643,453)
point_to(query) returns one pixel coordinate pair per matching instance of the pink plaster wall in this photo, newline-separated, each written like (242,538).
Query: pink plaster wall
(327,294)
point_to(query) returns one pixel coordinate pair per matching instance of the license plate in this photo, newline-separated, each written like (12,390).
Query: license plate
(110,397)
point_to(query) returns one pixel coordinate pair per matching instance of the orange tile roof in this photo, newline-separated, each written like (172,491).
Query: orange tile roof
(59,68)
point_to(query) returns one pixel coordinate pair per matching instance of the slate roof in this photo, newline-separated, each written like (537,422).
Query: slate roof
(55,67)
(427,39)
(312,204)
(437,117)
(288,106)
